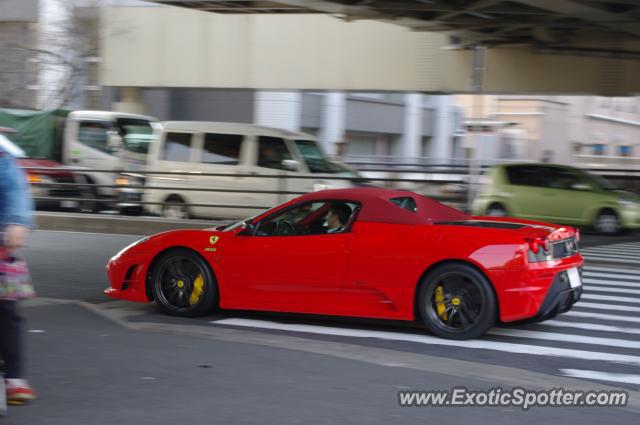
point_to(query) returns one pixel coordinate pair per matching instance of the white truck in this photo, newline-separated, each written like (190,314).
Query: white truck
(112,147)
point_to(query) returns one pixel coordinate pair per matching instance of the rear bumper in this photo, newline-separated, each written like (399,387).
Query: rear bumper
(560,298)
(541,290)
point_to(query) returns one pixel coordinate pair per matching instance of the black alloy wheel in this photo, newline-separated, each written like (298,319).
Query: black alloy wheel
(456,301)
(183,284)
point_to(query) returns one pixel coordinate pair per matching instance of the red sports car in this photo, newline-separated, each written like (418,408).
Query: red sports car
(361,252)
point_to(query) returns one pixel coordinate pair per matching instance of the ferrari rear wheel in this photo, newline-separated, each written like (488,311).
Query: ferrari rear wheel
(456,302)
(183,284)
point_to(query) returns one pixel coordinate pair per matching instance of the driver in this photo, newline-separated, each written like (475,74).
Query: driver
(337,217)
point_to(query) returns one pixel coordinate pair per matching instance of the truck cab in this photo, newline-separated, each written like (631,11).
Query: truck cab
(105,143)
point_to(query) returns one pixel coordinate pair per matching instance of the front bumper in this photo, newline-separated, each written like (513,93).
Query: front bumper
(127,277)
(631,218)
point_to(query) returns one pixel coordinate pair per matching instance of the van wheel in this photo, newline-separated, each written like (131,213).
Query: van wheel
(496,210)
(175,208)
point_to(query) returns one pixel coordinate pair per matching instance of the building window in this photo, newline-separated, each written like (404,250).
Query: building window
(624,150)
(598,149)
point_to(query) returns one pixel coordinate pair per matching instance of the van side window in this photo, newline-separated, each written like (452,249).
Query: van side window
(94,134)
(271,152)
(221,148)
(177,147)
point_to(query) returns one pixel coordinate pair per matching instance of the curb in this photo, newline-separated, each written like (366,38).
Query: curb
(96,223)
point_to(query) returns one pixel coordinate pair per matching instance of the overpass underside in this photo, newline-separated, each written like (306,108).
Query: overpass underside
(434,46)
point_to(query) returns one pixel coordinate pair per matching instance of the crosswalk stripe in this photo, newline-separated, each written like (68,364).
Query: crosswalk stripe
(614,270)
(612,276)
(601,376)
(600,306)
(612,289)
(536,350)
(552,336)
(611,251)
(601,316)
(610,260)
(612,255)
(589,326)
(610,283)
(611,298)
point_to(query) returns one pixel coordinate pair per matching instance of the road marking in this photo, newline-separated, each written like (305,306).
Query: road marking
(616,270)
(602,316)
(613,276)
(610,283)
(600,306)
(610,298)
(534,350)
(607,254)
(601,376)
(611,260)
(612,289)
(552,336)
(589,326)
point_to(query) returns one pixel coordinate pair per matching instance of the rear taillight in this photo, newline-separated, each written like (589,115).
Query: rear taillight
(536,243)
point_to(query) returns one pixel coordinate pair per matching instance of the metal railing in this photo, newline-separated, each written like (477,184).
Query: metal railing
(453,184)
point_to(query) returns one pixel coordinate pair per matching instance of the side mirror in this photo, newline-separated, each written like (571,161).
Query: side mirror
(290,164)
(581,186)
(249,229)
(114,141)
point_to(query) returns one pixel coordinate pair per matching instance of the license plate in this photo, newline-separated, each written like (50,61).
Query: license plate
(69,204)
(574,277)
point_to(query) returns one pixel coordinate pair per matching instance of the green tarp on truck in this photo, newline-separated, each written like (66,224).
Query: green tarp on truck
(40,133)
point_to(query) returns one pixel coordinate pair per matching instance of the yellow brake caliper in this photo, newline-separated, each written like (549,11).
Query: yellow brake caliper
(198,288)
(441,308)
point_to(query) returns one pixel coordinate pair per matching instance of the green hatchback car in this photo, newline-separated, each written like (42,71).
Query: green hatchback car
(557,194)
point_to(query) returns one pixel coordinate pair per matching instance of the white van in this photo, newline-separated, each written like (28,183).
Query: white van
(247,154)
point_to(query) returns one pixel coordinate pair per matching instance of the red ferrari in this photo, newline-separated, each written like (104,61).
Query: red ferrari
(361,252)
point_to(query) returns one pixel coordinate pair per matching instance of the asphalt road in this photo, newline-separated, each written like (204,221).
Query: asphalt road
(114,361)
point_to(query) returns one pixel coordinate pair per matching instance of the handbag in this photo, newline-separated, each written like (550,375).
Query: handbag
(15,279)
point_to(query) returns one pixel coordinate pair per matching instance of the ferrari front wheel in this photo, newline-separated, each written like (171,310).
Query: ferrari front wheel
(183,284)
(456,301)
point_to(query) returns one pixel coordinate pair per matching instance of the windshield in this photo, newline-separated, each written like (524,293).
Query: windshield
(137,134)
(316,161)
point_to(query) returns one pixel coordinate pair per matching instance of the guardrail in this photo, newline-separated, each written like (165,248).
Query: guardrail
(454,184)
(131,195)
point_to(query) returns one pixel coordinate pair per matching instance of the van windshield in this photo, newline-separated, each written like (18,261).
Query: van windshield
(315,159)
(136,133)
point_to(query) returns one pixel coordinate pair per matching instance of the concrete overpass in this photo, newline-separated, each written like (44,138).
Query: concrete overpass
(431,46)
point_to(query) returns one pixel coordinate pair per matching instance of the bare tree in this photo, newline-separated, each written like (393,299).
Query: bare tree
(56,61)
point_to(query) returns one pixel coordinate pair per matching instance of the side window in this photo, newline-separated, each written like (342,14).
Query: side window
(406,202)
(526,175)
(221,148)
(94,134)
(271,152)
(310,218)
(177,147)
(562,179)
